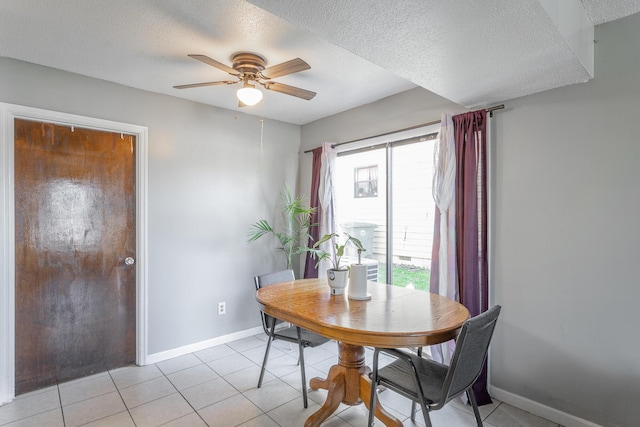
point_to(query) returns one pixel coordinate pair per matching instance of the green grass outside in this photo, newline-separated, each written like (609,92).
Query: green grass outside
(404,275)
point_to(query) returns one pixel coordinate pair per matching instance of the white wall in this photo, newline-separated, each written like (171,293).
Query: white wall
(209,179)
(567,239)
(565,233)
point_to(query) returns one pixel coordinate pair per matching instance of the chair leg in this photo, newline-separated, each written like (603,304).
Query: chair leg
(413,402)
(425,413)
(266,354)
(374,381)
(302,373)
(472,398)
(427,418)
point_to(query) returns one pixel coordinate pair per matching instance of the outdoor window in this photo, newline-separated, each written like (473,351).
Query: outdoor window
(366,182)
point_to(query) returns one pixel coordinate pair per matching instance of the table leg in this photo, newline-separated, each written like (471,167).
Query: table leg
(348,382)
(335,384)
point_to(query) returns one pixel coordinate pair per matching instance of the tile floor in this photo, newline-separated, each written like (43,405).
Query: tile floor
(217,387)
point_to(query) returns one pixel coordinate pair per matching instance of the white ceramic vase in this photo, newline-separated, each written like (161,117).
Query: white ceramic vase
(337,280)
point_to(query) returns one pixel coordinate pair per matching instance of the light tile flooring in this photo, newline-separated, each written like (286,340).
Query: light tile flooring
(217,387)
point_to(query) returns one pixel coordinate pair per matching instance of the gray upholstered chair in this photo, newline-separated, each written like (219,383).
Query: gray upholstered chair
(291,334)
(432,384)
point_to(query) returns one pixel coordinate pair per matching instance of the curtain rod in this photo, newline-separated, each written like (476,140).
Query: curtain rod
(489,110)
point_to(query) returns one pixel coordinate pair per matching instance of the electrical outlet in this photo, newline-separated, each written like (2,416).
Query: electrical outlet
(222,308)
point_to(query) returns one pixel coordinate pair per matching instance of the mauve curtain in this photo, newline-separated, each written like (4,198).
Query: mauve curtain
(471,221)
(310,270)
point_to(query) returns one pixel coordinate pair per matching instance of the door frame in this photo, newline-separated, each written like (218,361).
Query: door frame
(9,112)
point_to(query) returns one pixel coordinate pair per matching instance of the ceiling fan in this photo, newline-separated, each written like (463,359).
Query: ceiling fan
(249,69)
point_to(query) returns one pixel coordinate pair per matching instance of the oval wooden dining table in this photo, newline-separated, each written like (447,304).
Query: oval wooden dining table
(394,317)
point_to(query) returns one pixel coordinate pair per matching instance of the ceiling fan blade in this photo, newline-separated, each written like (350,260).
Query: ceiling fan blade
(289,67)
(222,82)
(214,63)
(290,90)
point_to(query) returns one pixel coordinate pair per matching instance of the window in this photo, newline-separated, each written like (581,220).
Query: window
(394,221)
(366,182)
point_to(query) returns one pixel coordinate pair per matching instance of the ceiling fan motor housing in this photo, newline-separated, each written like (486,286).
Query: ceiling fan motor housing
(248,64)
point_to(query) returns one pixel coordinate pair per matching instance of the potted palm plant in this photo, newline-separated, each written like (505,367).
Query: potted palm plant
(336,275)
(296,224)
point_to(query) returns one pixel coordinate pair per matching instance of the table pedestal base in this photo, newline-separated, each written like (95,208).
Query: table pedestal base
(348,382)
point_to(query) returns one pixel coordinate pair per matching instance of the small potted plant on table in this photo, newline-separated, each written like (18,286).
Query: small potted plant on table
(337,275)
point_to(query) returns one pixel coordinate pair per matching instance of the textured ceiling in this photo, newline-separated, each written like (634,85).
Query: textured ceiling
(472,53)
(144,44)
(604,11)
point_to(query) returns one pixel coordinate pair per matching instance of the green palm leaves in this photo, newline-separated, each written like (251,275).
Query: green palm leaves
(293,237)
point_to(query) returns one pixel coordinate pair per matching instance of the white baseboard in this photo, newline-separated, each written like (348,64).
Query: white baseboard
(181,351)
(551,414)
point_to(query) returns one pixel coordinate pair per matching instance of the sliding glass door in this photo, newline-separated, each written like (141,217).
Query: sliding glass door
(361,195)
(383,197)
(412,213)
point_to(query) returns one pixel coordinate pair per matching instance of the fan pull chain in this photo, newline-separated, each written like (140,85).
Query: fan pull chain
(261,131)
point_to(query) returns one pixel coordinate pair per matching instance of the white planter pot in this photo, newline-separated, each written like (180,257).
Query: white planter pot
(337,280)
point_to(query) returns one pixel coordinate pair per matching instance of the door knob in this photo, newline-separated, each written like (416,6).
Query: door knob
(129,260)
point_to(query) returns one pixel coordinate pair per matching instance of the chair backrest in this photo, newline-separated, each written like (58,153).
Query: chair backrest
(470,354)
(270,279)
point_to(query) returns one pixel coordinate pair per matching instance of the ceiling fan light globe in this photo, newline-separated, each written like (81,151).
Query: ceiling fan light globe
(249,95)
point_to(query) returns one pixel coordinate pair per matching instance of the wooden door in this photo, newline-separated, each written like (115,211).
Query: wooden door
(75,227)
